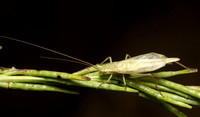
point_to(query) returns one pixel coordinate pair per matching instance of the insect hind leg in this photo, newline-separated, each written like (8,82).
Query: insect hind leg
(154,80)
(156,86)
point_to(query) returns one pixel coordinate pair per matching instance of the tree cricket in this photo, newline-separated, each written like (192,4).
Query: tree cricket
(138,66)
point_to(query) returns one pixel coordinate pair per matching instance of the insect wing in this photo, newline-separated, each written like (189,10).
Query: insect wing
(142,63)
(151,55)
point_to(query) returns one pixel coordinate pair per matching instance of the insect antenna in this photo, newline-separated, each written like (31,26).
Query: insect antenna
(61,59)
(50,50)
(182,65)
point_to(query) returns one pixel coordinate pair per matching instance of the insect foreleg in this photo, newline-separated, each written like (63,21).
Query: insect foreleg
(123,76)
(108,58)
(127,56)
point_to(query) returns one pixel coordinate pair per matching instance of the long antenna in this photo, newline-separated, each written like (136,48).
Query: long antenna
(60,59)
(28,43)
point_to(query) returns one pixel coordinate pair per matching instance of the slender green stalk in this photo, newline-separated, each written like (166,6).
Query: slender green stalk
(96,85)
(33,79)
(171,109)
(163,88)
(156,94)
(181,99)
(178,87)
(29,79)
(43,73)
(43,80)
(167,74)
(34,87)
(165,105)
(194,87)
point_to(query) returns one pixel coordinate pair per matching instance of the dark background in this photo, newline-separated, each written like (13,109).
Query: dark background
(93,30)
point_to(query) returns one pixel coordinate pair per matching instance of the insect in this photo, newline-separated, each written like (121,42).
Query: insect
(137,66)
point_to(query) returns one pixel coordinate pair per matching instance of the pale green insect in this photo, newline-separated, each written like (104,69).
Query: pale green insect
(137,66)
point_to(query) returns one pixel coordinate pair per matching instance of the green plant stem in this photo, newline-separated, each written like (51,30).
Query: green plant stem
(93,84)
(176,86)
(184,97)
(181,99)
(165,105)
(43,73)
(167,74)
(171,109)
(156,94)
(43,80)
(34,87)
(33,79)
(194,87)
(29,79)
(163,88)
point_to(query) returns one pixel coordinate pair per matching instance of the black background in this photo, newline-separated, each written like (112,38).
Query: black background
(93,30)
